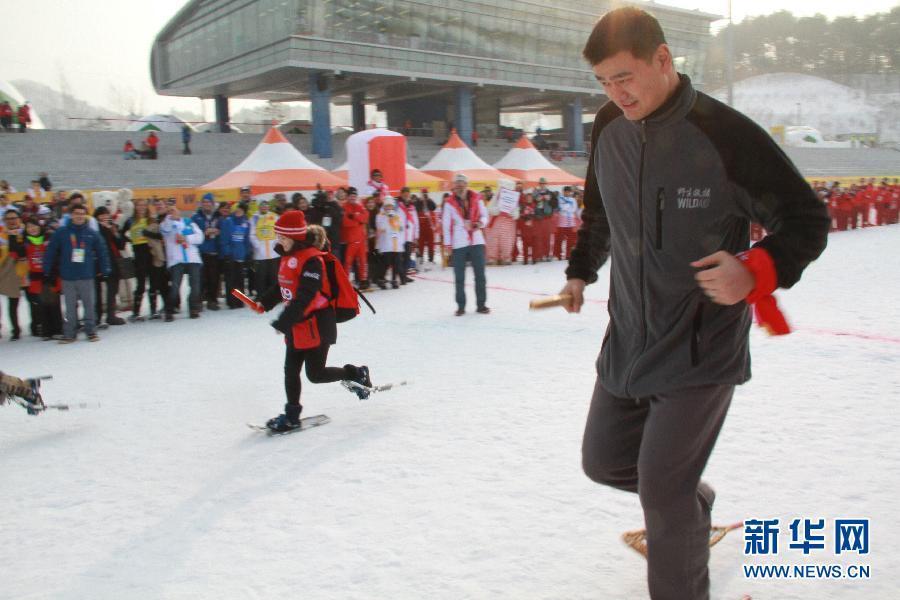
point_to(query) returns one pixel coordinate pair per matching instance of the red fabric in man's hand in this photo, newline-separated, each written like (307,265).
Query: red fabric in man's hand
(765,307)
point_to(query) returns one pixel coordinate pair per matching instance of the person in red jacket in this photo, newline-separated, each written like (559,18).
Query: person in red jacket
(6,115)
(128,151)
(42,292)
(24,117)
(526,227)
(881,196)
(152,142)
(427,211)
(857,201)
(893,205)
(353,232)
(834,207)
(846,212)
(308,321)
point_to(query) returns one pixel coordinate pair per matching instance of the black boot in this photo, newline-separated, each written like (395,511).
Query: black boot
(362,376)
(153,313)
(359,375)
(289,420)
(137,299)
(14,321)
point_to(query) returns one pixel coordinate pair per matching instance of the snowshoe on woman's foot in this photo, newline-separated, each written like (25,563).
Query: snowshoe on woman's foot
(359,376)
(289,420)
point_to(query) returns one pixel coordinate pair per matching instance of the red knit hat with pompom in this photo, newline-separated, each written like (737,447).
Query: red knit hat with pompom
(292,224)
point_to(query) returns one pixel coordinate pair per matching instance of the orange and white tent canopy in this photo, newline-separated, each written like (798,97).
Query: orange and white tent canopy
(415,179)
(524,163)
(455,157)
(275,165)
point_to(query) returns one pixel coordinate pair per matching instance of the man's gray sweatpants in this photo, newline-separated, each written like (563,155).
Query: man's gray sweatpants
(73,291)
(658,447)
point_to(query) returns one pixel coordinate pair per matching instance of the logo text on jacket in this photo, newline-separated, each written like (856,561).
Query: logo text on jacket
(689,197)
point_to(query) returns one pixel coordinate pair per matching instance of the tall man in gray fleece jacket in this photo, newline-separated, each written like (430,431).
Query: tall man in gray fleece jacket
(675,178)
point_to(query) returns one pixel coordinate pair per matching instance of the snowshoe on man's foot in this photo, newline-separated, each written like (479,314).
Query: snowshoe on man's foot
(34,399)
(24,392)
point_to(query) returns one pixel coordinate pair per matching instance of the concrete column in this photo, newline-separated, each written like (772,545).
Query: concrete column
(358,104)
(574,126)
(320,98)
(465,113)
(222,117)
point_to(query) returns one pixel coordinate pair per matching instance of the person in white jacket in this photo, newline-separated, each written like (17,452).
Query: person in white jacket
(500,236)
(464,220)
(182,238)
(262,238)
(408,208)
(567,223)
(390,231)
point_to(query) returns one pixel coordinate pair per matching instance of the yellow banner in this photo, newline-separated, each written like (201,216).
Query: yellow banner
(186,199)
(847,181)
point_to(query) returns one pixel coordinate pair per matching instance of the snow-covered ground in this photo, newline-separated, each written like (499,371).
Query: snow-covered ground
(834,109)
(466,484)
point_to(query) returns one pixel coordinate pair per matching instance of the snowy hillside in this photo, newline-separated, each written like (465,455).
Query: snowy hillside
(61,110)
(465,485)
(830,107)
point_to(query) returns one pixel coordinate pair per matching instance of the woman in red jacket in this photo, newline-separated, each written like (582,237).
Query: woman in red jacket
(42,292)
(308,320)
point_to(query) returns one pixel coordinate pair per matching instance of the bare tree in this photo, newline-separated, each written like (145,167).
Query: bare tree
(275,111)
(65,95)
(125,100)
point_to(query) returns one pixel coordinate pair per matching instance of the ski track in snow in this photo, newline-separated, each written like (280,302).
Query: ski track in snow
(465,484)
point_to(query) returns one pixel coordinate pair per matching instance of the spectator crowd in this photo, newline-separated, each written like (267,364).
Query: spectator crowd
(862,204)
(54,254)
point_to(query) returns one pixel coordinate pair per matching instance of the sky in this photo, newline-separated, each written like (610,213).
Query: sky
(102,47)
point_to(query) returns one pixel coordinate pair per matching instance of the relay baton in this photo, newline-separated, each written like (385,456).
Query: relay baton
(558,300)
(254,306)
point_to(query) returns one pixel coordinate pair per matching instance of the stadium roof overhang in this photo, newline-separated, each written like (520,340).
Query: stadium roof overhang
(281,70)
(291,82)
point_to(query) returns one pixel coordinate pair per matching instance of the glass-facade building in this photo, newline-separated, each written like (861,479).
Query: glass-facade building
(523,43)
(388,49)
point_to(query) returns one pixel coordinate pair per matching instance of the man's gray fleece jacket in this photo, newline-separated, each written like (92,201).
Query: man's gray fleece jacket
(685,182)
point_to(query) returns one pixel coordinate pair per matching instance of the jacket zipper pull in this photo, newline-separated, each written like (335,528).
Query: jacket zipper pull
(644,131)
